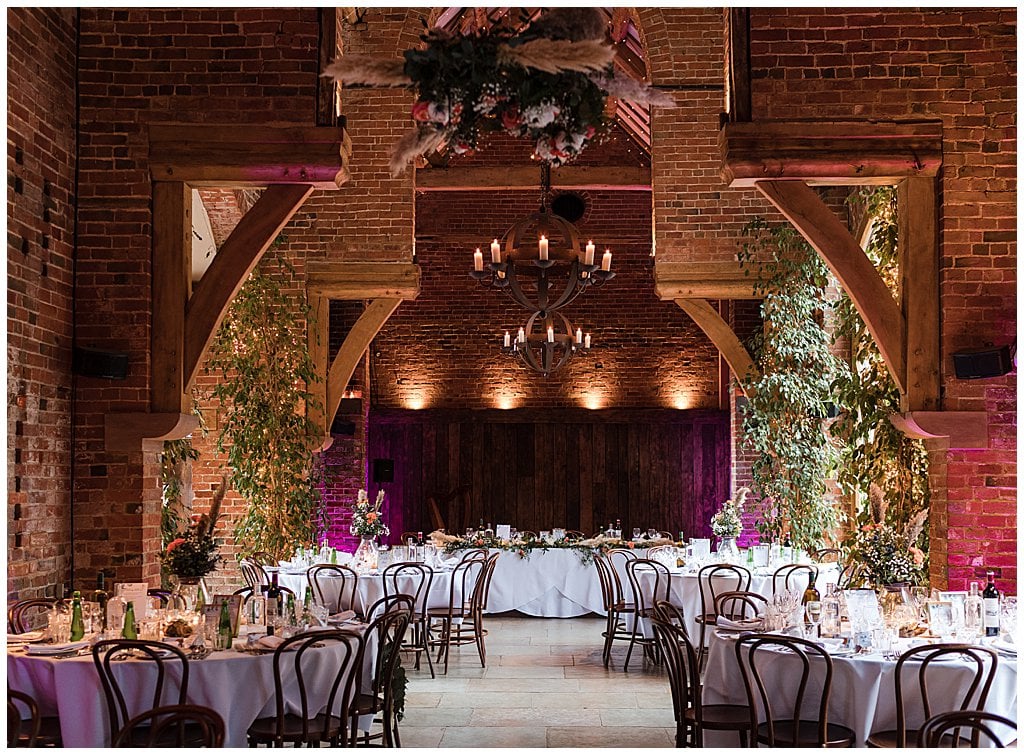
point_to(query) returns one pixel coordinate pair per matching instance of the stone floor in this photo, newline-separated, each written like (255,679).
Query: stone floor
(544,686)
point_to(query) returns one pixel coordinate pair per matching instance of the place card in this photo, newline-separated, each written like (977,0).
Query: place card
(137,594)
(503,532)
(211,611)
(958,603)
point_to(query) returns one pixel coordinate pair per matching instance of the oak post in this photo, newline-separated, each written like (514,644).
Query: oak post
(172,261)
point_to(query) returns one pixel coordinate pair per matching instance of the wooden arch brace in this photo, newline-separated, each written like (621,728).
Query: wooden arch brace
(830,238)
(723,337)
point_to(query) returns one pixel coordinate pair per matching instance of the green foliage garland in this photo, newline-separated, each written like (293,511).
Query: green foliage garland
(783,422)
(265,368)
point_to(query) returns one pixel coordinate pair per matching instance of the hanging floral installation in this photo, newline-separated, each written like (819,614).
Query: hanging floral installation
(549,83)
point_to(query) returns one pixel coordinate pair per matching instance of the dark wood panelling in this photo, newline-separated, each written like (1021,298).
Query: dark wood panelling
(555,468)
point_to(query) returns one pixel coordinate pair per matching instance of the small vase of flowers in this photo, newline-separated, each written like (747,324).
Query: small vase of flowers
(368,524)
(727,524)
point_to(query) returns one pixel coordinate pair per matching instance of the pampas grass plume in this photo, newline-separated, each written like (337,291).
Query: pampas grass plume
(554,55)
(413,143)
(369,71)
(628,88)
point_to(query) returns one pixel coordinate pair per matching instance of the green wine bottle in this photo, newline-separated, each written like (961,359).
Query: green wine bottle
(225,634)
(129,632)
(77,624)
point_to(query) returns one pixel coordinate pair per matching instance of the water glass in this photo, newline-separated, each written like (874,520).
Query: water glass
(830,622)
(1008,618)
(652,534)
(812,618)
(92,617)
(882,639)
(545,535)
(58,626)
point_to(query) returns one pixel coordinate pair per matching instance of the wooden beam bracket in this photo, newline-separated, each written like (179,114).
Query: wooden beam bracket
(965,430)
(723,337)
(363,280)
(701,280)
(130,432)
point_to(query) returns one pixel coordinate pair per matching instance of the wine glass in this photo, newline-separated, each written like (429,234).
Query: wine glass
(513,533)
(636,534)
(1008,618)
(652,533)
(812,618)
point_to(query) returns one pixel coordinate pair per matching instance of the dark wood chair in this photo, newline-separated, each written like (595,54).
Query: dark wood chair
(413,578)
(407,536)
(246,591)
(332,573)
(474,553)
(644,601)
(618,612)
(712,580)
(692,717)
(164,596)
(793,577)
(944,729)
(388,628)
(737,605)
(828,555)
(22,731)
(294,660)
(797,727)
(670,613)
(31,613)
(984,662)
(166,657)
(574,534)
(465,593)
(173,726)
(253,573)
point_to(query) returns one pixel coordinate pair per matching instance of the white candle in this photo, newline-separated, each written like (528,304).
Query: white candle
(588,258)
(543,245)
(606,261)
(551,334)
(478,261)
(522,336)
(579,335)
(495,252)
(508,339)
(586,341)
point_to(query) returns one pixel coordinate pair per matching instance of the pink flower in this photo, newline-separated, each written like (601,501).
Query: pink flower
(421,111)
(510,119)
(590,132)
(918,555)
(371,517)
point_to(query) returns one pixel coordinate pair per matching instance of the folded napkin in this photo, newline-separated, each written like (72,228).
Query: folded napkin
(26,637)
(62,647)
(269,642)
(341,618)
(1004,647)
(740,625)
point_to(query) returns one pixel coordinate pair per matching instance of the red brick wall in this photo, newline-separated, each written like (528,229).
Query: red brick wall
(959,66)
(40,249)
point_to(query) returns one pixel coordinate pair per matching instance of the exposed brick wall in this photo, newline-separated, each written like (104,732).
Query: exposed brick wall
(957,65)
(40,249)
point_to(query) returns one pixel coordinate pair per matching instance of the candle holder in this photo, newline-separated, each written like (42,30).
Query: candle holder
(550,349)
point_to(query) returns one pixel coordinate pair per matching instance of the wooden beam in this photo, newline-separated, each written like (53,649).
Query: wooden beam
(356,342)
(919,290)
(965,430)
(318,336)
(237,257)
(701,280)
(363,280)
(723,337)
(130,432)
(737,80)
(527,178)
(249,156)
(172,261)
(329,49)
(847,261)
(830,153)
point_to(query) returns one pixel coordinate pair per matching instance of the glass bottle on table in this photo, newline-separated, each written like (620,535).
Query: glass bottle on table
(811,593)
(100,596)
(129,631)
(618,528)
(990,597)
(225,634)
(273,610)
(974,613)
(77,622)
(307,608)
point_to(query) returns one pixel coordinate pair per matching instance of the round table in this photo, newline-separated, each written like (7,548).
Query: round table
(370,588)
(863,687)
(239,686)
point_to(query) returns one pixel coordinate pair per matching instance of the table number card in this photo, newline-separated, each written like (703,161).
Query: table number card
(503,531)
(211,612)
(136,594)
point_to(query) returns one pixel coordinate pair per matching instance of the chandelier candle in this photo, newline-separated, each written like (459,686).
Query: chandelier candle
(579,335)
(478,261)
(588,256)
(586,341)
(495,253)
(543,246)
(606,261)
(551,334)
(508,340)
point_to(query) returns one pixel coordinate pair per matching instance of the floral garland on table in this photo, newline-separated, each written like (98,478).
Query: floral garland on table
(728,520)
(192,554)
(586,549)
(549,83)
(366,517)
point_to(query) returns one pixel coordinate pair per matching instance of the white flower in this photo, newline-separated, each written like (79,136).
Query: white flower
(540,115)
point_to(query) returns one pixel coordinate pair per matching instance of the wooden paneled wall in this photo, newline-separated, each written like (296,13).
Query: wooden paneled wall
(578,469)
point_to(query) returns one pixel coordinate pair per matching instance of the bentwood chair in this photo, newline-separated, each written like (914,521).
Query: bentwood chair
(712,580)
(802,725)
(692,717)
(944,729)
(171,666)
(173,726)
(660,585)
(295,660)
(263,558)
(413,578)
(253,573)
(16,737)
(465,595)
(320,575)
(793,577)
(31,613)
(618,613)
(737,605)
(980,661)
(670,613)
(388,629)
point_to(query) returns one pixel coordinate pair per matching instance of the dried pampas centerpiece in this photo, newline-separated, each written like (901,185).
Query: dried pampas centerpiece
(549,83)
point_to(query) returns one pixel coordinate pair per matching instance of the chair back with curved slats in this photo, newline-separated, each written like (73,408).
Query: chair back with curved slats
(167,658)
(525,535)
(608,596)
(492,564)
(644,600)
(474,553)
(253,574)
(389,628)
(655,549)
(793,577)
(409,578)
(391,603)
(164,596)
(683,670)
(296,660)
(173,726)
(828,556)
(320,575)
(944,730)
(753,652)
(263,558)
(670,613)
(617,560)
(31,613)
(665,535)
(16,723)
(710,583)
(574,534)
(407,536)
(467,583)
(741,604)
(980,661)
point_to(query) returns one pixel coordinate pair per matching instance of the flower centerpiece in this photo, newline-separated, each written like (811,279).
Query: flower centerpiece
(368,524)
(727,524)
(548,83)
(192,554)
(885,553)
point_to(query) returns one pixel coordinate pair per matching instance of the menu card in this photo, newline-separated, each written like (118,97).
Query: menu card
(503,532)
(136,594)
(211,611)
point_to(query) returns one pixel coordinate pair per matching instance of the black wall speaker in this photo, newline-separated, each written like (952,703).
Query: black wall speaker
(991,361)
(342,427)
(101,364)
(383,470)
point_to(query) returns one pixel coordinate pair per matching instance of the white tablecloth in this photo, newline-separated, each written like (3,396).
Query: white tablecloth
(239,686)
(370,588)
(863,687)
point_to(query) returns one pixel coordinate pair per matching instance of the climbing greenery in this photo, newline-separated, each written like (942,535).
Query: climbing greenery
(264,369)
(873,450)
(784,423)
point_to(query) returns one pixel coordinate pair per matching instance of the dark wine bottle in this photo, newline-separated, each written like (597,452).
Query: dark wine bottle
(225,634)
(811,593)
(990,596)
(273,603)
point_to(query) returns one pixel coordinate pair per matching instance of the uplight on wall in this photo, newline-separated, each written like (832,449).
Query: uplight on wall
(415,401)
(593,400)
(505,402)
